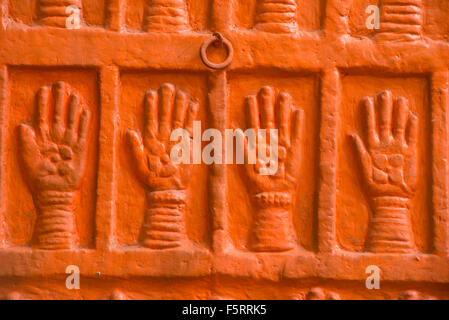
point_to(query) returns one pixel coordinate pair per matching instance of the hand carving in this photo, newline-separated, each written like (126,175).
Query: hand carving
(166,181)
(273,229)
(390,171)
(54,158)
(164,112)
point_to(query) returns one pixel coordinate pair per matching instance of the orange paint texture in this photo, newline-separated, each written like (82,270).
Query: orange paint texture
(91,90)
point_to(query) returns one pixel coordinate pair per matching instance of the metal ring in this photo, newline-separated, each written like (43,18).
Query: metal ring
(203,52)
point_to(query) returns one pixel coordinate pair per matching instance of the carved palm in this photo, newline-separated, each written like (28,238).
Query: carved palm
(390,159)
(270,111)
(165,111)
(54,152)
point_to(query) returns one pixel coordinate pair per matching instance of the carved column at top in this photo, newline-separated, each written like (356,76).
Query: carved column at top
(166,16)
(401,20)
(60,13)
(276,16)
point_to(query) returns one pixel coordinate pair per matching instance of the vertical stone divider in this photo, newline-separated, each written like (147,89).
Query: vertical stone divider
(3,14)
(327,211)
(116,15)
(221,13)
(440,179)
(336,23)
(107,164)
(217,181)
(337,16)
(3,117)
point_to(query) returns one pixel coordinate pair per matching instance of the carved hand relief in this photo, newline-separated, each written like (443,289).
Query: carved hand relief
(272,193)
(166,16)
(165,110)
(317,293)
(401,20)
(414,295)
(60,13)
(276,16)
(53,152)
(389,162)
(320,294)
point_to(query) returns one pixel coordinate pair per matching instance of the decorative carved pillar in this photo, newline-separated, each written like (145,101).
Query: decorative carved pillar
(60,13)
(276,16)
(401,20)
(166,16)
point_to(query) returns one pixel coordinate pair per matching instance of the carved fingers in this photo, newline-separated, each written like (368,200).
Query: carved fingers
(365,159)
(59,92)
(397,124)
(42,110)
(392,132)
(29,149)
(373,138)
(285,113)
(411,172)
(138,154)
(151,115)
(192,113)
(70,121)
(165,110)
(54,152)
(83,130)
(385,109)
(267,101)
(253,120)
(292,163)
(271,111)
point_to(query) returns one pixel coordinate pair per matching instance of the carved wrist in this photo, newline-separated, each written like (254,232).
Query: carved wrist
(273,200)
(390,229)
(55,223)
(391,203)
(164,225)
(168,198)
(272,229)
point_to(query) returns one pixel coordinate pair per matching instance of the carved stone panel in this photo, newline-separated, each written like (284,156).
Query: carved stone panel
(176,192)
(52,163)
(384,143)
